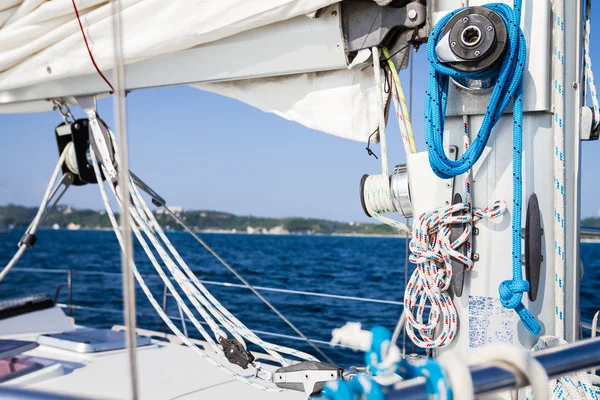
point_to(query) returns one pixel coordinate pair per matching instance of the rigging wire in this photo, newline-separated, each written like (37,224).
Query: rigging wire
(381,111)
(191,286)
(40,213)
(245,282)
(166,319)
(88,47)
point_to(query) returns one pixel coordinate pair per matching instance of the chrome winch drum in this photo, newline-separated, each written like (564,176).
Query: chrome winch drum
(400,189)
(395,188)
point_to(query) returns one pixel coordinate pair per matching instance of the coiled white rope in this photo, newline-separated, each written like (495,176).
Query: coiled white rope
(580,386)
(206,305)
(433,251)
(378,200)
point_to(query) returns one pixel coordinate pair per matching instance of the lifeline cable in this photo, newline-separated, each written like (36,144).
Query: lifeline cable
(509,86)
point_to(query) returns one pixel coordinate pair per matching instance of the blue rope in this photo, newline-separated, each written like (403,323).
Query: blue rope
(508,86)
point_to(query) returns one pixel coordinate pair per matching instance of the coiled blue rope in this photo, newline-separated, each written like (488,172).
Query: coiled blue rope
(509,86)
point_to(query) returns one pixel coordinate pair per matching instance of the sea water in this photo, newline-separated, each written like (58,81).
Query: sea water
(369,267)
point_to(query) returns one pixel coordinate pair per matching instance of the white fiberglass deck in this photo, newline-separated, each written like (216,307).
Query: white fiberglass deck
(167,370)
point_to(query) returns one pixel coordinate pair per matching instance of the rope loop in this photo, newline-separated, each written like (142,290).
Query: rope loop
(508,79)
(508,86)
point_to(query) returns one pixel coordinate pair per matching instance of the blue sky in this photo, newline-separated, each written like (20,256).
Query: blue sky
(203,151)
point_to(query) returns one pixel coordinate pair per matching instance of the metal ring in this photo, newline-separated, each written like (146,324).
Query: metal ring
(471,36)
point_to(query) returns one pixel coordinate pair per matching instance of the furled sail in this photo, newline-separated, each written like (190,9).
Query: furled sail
(43,56)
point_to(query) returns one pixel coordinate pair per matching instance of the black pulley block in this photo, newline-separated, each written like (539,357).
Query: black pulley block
(78,161)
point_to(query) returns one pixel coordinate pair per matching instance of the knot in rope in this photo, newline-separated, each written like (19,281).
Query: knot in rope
(432,250)
(511,296)
(511,292)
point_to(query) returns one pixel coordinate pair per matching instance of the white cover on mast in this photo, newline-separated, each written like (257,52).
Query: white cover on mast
(40,41)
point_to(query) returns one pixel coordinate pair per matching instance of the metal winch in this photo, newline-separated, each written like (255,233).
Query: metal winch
(475,39)
(394,188)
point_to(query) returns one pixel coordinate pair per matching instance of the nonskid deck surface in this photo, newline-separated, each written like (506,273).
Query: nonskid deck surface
(166,370)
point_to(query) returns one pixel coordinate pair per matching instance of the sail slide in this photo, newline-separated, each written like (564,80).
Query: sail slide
(289,57)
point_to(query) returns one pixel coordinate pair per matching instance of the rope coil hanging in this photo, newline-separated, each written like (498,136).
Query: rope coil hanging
(433,251)
(508,81)
(508,87)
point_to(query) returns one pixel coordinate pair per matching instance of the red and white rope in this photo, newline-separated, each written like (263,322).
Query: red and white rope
(432,250)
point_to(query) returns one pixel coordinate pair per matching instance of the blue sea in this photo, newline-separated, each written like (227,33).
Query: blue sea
(369,267)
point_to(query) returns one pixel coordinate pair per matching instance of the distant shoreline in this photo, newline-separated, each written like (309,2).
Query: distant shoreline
(224,232)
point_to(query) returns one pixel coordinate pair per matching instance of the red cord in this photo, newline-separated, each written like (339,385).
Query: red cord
(88,47)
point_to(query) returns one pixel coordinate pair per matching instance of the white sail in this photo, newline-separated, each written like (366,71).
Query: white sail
(43,55)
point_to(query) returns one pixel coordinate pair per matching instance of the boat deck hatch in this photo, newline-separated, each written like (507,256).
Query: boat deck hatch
(89,340)
(11,366)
